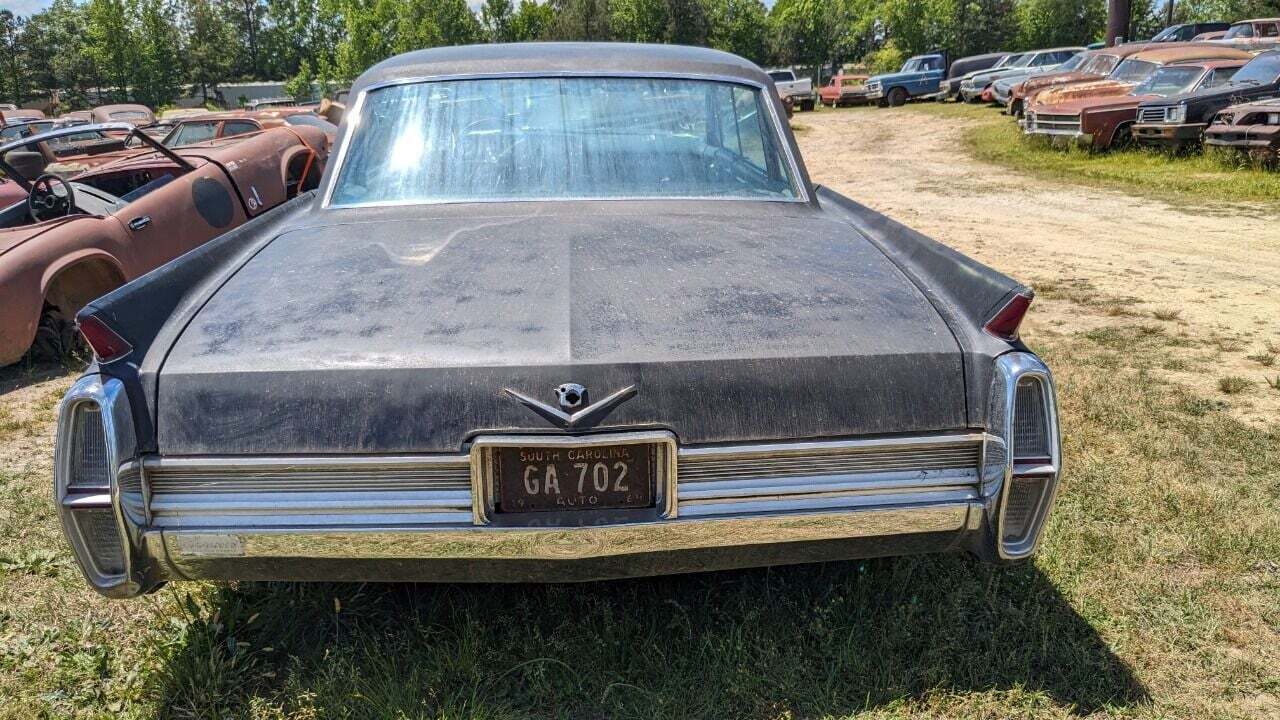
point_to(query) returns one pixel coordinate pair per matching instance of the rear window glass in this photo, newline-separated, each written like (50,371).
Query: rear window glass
(548,138)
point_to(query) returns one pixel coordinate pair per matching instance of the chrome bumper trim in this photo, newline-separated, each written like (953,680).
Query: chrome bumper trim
(186,548)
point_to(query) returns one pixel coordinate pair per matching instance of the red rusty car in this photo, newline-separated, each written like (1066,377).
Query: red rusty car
(208,126)
(1098,65)
(844,90)
(1103,120)
(72,239)
(1137,69)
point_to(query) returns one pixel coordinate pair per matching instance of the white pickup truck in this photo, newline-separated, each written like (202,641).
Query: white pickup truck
(799,90)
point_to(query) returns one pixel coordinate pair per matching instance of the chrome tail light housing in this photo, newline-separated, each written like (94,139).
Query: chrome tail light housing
(1024,470)
(95,435)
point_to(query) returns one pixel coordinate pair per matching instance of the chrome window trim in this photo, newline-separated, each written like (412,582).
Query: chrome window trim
(353,119)
(121,444)
(1012,367)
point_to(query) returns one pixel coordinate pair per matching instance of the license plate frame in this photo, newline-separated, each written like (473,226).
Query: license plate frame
(487,454)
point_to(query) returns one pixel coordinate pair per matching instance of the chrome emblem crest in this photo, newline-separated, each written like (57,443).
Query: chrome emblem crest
(576,410)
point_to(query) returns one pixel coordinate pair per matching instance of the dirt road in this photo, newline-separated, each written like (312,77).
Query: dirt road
(1096,257)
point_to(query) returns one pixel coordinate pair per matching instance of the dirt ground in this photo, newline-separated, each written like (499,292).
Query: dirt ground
(1091,254)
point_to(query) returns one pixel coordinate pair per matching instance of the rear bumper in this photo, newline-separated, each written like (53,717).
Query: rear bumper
(431,518)
(1162,134)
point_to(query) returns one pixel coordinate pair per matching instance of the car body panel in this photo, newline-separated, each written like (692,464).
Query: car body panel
(1250,127)
(1198,108)
(914,83)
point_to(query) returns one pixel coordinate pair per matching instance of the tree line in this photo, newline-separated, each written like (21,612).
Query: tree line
(155,51)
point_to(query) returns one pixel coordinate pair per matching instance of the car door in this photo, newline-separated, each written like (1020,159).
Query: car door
(179,214)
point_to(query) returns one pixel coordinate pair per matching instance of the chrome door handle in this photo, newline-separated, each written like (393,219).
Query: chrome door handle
(139,223)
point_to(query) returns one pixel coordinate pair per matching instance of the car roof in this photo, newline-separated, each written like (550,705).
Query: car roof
(557,58)
(1183,53)
(1058,49)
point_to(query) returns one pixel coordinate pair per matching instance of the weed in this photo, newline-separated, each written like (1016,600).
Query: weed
(1232,384)
(1166,314)
(1265,359)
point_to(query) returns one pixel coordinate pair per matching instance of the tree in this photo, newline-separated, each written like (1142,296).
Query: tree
(210,39)
(158,67)
(811,32)
(532,20)
(580,20)
(639,20)
(109,44)
(739,27)
(495,19)
(13,75)
(1050,23)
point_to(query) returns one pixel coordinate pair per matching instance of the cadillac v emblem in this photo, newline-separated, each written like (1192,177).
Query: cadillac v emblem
(575,410)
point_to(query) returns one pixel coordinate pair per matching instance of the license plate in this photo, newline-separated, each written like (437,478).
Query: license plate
(557,478)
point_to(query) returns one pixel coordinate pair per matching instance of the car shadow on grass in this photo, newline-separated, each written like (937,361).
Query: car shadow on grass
(831,638)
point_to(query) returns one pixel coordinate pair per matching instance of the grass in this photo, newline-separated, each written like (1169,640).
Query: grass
(1213,178)
(1233,384)
(1156,594)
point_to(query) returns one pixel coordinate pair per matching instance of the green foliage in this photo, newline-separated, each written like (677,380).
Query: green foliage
(887,59)
(740,27)
(495,19)
(531,21)
(1051,23)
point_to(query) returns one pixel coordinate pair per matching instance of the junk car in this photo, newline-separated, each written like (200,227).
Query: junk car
(974,87)
(1178,121)
(844,90)
(919,77)
(1137,69)
(1186,32)
(1002,89)
(72,238)
(1099,64)
(1253,128)
(539,323)
(949,89)
(1104,121)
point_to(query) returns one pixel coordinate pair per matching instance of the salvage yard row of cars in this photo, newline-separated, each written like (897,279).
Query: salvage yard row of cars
(90,201)
(535,322)
(1191,85)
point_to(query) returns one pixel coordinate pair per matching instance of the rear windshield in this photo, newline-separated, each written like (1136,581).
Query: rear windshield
(1243,30)
(1134,71)
(1100,64)
(547,138)
(782,76)
(130,115)
(313,121)
(1170,80)
(1262,70)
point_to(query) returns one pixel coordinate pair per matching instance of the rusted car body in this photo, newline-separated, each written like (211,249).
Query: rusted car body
(130,114)
(844,90)
(58,251)
(1252,128)
(77,116)
(1178,122)
(1256,34)
(1103,121)
(20,115)
(1098,65)
(208,126)
(1136,69)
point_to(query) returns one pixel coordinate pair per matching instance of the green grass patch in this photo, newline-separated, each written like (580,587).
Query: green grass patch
(1211,179)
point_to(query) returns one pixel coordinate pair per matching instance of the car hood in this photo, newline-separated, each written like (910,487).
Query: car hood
(1077,91)
(887,77)
(1054,79)
(11,238)
(400,335)
(1092,104)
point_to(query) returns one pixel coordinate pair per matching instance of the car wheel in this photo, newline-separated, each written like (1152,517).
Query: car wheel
(1123,138)
(806,106)
(56,337)
(882,102)
(897,97)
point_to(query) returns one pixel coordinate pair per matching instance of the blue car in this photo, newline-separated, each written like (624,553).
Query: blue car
(919,76)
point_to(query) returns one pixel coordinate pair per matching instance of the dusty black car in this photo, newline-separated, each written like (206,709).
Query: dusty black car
(1179,121)
(556,312)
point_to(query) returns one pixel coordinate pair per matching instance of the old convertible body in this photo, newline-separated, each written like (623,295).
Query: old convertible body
(537,323)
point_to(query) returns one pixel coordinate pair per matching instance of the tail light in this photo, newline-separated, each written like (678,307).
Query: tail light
(106,343)
(1005,322)
(94,434)
(1024,417)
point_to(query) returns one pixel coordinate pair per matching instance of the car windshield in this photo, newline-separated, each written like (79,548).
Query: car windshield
(1262,70)
(1100,65)
(1071,63)
(129,115)
(1022,60)
(313,121)
(1134,71)
(1167,33)
(1242,30)
(782,76)
(563,138)
(192,132)
(13,132)
(1169,80)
